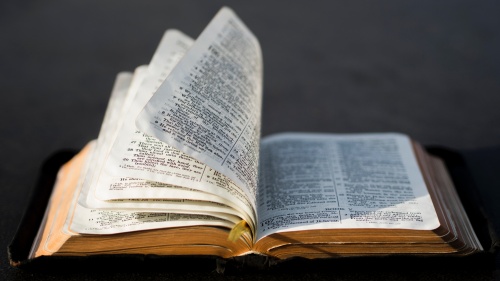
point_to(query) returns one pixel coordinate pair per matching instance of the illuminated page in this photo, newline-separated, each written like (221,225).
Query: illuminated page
(210,105)
(325,181)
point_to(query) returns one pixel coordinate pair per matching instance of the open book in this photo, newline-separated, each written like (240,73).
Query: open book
(179,168)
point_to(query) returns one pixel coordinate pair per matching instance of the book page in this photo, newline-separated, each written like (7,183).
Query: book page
(167,172)
(120,94)
(95,221)
(324,181)
(172,47)
(83,220)
(210,105)
(134,171)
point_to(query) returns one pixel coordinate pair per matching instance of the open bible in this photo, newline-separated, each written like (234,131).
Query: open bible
(179,168)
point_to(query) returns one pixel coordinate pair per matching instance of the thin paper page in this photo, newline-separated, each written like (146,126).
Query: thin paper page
(172,47)
(85,220)
(210,105)
(94,221)
(121,97)
(118,98)
(138,193)
(315,181)
(135,154)
(82,220)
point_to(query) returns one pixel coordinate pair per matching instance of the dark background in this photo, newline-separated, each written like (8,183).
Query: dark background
(430,70)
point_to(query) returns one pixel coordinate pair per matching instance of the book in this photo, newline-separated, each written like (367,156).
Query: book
(179,168)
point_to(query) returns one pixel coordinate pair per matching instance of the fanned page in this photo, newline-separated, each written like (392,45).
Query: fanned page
(325,181)
(210,105)
(86,220)
(137,172)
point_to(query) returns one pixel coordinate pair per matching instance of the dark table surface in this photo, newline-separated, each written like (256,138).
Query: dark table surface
(430,70)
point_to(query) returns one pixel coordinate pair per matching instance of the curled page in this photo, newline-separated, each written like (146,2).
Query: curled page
(84,220)
(210,105)
(133,165)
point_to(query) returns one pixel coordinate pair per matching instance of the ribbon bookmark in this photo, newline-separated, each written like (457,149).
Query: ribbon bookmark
(238,230)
